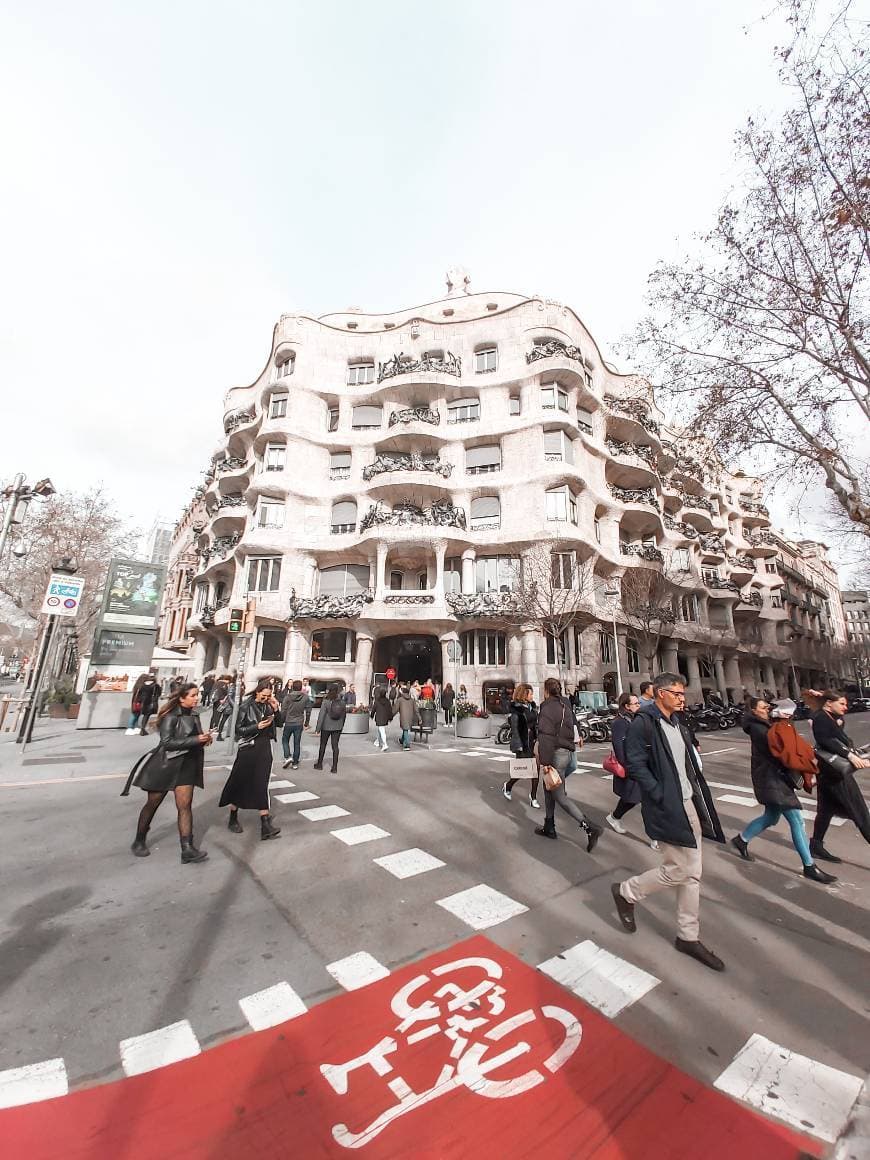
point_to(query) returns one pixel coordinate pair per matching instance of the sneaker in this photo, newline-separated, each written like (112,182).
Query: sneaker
(624,909)
(615,824)
(130,732)
(284,764)
(376,744)
(653,844)
(505,792)
(533,802)
(696,950)
(294,765)
(385,749)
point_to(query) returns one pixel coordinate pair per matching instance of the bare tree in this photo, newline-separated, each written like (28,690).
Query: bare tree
(711,647)
(647,602)
(762,340)
(86,528)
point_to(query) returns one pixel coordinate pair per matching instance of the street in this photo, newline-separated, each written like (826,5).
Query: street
(99,948)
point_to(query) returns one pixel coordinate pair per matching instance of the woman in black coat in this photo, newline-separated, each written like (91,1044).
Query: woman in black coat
(837,790)
(774,787)
(247,787)
(382,714)
(625,788)
(524,734)
(447,699)
(176,764)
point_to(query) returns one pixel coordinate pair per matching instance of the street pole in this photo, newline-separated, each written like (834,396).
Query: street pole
(244,637)
(619,688)
(11,509)
(25,733)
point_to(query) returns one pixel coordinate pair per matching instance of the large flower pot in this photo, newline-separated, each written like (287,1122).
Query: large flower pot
(72,712)
(475,727)
(57,710)
(356,723)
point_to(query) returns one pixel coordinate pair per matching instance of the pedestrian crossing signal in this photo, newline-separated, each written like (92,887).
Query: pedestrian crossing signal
(236,617)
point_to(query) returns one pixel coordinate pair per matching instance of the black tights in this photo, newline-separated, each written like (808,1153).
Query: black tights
(533,791)
(183,804)
(622,809)
(823,820)
(329,737)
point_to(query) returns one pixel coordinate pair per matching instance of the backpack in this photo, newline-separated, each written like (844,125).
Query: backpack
(336,709)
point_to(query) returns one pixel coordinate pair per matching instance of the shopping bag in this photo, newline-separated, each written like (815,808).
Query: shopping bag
(552,779)
(523,767)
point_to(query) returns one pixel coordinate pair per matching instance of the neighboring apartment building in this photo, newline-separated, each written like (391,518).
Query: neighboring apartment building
(856,609)
(386,478)
(159,542)
(181,565)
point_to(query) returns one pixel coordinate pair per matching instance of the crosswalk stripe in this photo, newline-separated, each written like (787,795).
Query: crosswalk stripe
(357,971)
(302,796)
(322,813)
(481,907)
(281,783)
(810,1096)
(158,1048)
(34,1081)
(604,980)
(408,863)
(355,835)
(751,804)
(271,1006)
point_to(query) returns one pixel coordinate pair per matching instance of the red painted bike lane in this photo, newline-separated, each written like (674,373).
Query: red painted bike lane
(468,1051)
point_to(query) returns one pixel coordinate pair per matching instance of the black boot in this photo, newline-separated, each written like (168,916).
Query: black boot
(234,824)
(189,852)
(593,833)
(819,852)
(742,848)
(548,830)
(139,847)
(268,829)
(817,875)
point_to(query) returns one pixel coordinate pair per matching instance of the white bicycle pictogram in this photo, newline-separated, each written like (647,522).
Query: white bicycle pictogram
(456,1012)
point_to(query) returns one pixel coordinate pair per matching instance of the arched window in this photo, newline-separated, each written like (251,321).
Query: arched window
(285,362)
(343,517)
(486,512)
(278,404)
(485,358)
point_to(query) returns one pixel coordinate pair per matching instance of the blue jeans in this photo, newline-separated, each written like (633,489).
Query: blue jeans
(294,731)
(770,817)
(405,739)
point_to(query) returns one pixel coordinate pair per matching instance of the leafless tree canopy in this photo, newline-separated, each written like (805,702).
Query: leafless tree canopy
(84,527)
(762,340)
(648,609)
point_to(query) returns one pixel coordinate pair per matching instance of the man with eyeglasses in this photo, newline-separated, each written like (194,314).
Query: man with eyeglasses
(677,811)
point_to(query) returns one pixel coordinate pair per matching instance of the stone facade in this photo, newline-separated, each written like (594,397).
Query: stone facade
(384,477)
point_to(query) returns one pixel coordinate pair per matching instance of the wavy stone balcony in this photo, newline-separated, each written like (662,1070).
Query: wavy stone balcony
(635,409)
(687,531)
(762,544)
(327,607)
(643,552)
(474,604)
(402,364)
(415,415)
(643,495)
(240,418)
(406,461)
(440,513)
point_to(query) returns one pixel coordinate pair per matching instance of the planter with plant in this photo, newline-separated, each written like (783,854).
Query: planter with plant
(471,720)
(357,719)
(63,700)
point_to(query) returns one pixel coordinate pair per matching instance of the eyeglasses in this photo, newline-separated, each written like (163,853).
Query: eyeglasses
(674,693)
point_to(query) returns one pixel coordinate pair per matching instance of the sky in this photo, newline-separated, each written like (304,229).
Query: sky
(177,175)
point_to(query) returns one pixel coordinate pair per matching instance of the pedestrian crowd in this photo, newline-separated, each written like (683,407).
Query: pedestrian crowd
(655,762)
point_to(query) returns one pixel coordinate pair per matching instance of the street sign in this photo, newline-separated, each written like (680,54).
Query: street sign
(390,674)
(453,651)
(237,616)
(63,595)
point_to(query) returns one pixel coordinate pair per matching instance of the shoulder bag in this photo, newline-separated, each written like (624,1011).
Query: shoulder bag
(552,778)
(613,765)
(835,761)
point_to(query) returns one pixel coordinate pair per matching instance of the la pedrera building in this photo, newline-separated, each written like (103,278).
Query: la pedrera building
(390,483)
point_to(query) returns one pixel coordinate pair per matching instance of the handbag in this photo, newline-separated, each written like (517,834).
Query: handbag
(835,761)
(552,778)
(613,765)
(523,767)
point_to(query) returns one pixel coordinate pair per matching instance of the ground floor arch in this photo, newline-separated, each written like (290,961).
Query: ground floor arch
(414,656)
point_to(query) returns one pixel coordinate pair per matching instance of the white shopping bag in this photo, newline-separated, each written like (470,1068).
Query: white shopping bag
(523,767)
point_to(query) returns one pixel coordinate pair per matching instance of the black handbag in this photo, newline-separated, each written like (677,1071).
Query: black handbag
(835,761)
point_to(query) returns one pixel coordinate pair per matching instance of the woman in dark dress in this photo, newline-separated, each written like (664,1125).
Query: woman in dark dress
(176,764)
(837,790)
(524,733)
(625,788)
(247,787)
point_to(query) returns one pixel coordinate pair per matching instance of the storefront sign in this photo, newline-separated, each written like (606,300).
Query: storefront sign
(133,591)
(117,646)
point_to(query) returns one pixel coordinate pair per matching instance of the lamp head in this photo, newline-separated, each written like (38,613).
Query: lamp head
(44,488)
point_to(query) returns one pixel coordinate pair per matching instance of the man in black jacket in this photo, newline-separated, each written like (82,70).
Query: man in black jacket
(677,811)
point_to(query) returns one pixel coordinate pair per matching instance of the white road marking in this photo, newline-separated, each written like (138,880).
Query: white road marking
(157,1048)
(713,752)
(272,1006)
(34,1081)
(810,1096)
(446,749)
(357,971)
(481,907)
(281,784)
(302,796)
(748,789)
(499,757)
(752,804)
(407,863)
(606,981)
(355,835)
(590,765)
(321,813)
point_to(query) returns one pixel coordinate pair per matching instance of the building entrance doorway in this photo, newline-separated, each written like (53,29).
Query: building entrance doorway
(415,658)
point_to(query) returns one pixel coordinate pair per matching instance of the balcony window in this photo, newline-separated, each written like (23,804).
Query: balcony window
(680,559)
(397,579)
(199,597)
(463,411)
(335,645)
(770,567)
(605,647)
(596,527)
(422,581)
(285,368)
(453,574)
(564,570)
(339,465)
(551,647)
(270,515)
(485,359)
(360,373)
(554,397)
(332,419)
(633,654)
(584,422)
(561,506)
(558,447)
(578,647)
(278,406)
(515,405)
(496,573)
(264,574)
(343,517)
(690,609)
(275,457)
(366,416)
(480,460)
(482,647)
(343,580)
(271,643)
(485,512)
(775,602)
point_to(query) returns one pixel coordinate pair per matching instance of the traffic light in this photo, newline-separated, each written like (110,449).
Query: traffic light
(237,616)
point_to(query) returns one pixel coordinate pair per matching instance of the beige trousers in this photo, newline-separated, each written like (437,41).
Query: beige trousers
(680,870)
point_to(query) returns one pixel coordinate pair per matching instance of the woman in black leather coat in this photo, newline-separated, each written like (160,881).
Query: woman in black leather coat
(837,790)
(176,764)
(524,734)
(247,787)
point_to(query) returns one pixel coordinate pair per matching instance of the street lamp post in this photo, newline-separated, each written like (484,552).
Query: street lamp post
(25,733)
(19,493)
(614,593)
